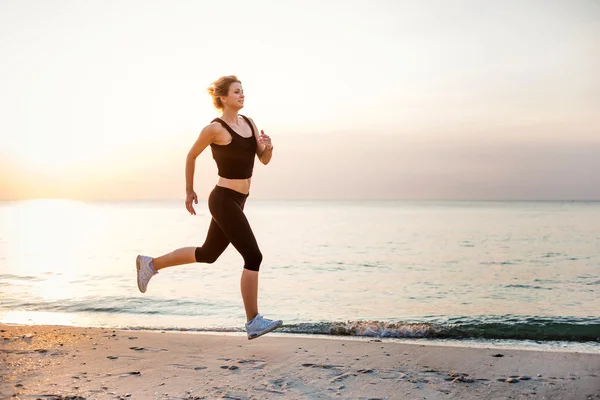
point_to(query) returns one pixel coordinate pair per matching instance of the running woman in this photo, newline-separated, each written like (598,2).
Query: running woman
(234,141)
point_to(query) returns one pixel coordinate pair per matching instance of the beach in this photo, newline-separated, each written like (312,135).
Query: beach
(59,362)
(380,300)
(412,194)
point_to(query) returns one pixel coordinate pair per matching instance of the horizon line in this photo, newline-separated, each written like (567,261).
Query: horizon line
(312,199)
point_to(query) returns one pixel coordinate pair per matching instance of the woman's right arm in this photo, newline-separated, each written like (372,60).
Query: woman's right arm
(206,137)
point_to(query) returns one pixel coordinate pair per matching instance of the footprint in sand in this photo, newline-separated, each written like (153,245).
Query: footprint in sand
(249,361)
(280,384)
(185,366)
(388,374)
(256,364)
(324,366)
(458,377)
(365,371)
(343,376)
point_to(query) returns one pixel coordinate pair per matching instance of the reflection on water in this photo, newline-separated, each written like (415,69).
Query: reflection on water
(323,261)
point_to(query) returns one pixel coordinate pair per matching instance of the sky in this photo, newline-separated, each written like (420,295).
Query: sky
(432,99)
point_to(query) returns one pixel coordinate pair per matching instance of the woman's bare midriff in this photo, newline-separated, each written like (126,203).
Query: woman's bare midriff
(239,185)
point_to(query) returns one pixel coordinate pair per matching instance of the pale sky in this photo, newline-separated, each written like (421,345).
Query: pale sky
(441,99)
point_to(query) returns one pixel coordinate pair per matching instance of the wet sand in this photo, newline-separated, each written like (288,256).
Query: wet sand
(51,362)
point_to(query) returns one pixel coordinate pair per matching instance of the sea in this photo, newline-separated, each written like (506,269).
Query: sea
(492,273)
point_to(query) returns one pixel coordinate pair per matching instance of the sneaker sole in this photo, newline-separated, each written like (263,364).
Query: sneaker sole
(138,265)
(265,332)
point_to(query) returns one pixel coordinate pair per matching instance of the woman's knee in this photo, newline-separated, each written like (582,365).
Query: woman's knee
(203,256)
(253,260)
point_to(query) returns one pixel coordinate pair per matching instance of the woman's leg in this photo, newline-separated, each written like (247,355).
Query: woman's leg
(227,208)
(249,287)
(184,255)
(215,244)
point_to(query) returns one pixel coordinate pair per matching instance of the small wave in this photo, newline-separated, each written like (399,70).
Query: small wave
(366,328)
(369,265)
(176,329)
(545,281)
(527,287)
(499,263)
(533,328)
(20,278)
(528,328)
(549,255)
(112,305)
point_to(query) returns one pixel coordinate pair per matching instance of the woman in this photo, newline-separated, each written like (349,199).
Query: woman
(234,141)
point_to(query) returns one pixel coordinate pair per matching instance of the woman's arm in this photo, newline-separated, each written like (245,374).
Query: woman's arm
(264,147)
(205,138)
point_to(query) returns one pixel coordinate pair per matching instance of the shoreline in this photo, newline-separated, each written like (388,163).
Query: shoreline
(502,344)
(53,362)
(590,347)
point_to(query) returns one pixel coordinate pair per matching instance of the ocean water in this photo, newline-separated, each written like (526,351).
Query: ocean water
(520,271)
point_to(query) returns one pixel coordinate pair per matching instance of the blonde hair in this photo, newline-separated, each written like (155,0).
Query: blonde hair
(220,87)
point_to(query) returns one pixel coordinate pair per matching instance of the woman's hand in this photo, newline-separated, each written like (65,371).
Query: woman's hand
(190,199)
(265,140)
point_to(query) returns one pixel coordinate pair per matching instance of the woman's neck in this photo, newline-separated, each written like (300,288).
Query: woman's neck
(230,116)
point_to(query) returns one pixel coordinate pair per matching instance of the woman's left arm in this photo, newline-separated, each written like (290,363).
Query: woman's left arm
(264,147)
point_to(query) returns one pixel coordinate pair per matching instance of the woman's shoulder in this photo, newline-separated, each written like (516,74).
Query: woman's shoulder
(212,129)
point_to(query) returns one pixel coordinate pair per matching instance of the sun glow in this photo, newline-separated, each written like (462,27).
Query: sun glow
(37,318)
(50,157)
(50,235)
(98,103)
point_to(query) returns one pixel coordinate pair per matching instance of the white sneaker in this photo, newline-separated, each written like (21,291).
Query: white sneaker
(259,326)
(144,272)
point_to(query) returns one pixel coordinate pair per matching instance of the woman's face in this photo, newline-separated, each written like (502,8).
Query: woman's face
(235,98)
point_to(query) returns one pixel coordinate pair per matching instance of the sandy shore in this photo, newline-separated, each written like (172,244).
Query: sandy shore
(49,362)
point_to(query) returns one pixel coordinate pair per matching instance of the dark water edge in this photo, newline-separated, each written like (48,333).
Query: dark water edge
(510,327)
(539,329)
(498,336)
(532,328)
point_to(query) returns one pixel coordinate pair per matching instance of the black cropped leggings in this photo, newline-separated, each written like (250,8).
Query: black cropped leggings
(229,225)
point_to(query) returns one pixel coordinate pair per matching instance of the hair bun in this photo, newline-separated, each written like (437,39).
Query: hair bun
(220,87)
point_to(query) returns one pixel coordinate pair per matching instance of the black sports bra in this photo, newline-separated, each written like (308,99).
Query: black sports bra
(235,160)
